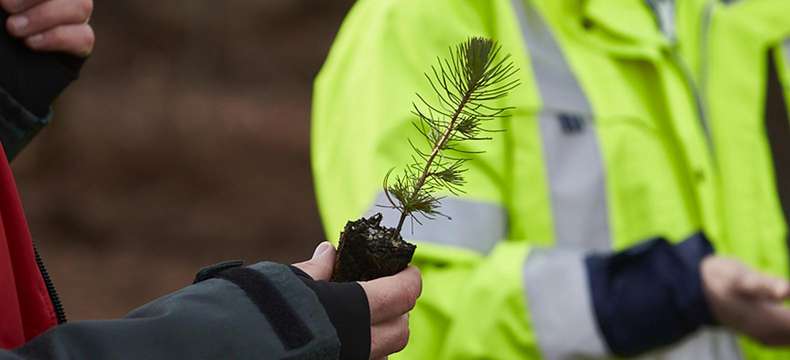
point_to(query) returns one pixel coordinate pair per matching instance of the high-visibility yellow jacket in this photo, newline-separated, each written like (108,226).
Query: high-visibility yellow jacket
(740,64)
(611,143)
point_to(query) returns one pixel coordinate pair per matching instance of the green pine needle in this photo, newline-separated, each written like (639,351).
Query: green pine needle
(473,75)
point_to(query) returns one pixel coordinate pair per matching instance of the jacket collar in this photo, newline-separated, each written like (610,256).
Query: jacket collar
(623,28)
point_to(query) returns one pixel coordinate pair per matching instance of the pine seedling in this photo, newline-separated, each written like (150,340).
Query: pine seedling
(472,76)
(464,84)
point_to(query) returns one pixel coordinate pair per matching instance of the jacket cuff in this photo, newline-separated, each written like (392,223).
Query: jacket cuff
(292,311)
(650,295)
(348,309)
(17,125)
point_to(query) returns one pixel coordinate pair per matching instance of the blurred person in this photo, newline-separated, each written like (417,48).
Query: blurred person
(738,53)
(266,310)
(597,224)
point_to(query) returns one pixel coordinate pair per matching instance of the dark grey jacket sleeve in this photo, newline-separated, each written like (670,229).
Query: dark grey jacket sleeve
(17,125)
(260,312)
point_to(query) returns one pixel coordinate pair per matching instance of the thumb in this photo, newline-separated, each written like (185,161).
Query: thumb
(322,264)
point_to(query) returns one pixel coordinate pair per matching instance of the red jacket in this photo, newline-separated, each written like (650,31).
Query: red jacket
(26,308)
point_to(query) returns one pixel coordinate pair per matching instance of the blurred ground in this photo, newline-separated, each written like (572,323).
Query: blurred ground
(186,142)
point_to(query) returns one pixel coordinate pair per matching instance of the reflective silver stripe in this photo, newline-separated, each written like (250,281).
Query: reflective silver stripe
(562,312)
(573,160)
(786,53)
(560,305)
(475,226)
(706,344)
(555,281)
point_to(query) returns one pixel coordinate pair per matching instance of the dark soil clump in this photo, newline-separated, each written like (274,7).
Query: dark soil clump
(369,251)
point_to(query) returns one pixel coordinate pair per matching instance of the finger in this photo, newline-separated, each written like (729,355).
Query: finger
(15,6)
(77,40)
(769,323)
(49,15)
(322,264)
(389,337)
(392,296)
(759,286)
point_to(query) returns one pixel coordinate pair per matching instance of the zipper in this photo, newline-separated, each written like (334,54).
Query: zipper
(60,314)
(696,93)
(705,27)
(664,14)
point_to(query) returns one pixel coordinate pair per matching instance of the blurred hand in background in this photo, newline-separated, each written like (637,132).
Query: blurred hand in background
(52,25)
(747,301)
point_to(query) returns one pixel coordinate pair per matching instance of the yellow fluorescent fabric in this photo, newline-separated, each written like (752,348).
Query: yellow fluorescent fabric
(733,75)
(361,120)
(659,174)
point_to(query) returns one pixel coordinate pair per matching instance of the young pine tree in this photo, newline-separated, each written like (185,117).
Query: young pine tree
(465,84)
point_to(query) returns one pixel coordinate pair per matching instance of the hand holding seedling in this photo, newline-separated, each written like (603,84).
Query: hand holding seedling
(52,25)
(747,301)
(390,299)
(465,86)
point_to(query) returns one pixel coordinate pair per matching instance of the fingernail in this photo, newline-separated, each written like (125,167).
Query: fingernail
(18,22)
(321,249)
(35,40)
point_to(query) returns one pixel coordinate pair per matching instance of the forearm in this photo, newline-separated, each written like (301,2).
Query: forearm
(213,319)
(650,295)
(557,303)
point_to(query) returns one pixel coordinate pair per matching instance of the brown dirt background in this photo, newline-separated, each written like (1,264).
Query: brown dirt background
(185,142)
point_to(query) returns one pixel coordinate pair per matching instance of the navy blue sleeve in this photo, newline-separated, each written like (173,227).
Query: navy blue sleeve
(650,295)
